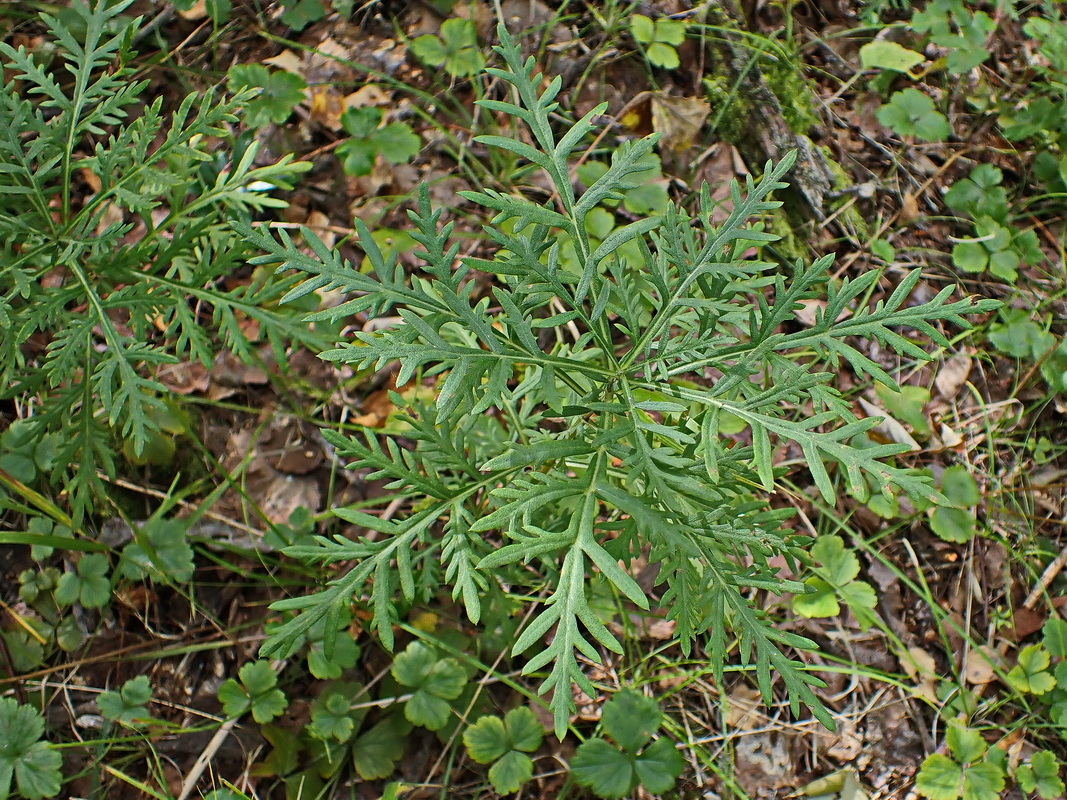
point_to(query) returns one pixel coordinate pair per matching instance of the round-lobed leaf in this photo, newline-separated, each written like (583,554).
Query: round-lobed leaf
(630,718)
(601,767)
(486,740)
(509,773)
(659,766)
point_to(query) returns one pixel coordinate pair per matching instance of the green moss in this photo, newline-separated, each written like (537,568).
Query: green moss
(785,81)
(851,218)
(790,245)
(733,118)
(784,78)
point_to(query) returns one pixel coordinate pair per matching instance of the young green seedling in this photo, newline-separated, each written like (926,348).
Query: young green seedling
(129,705)
(280,92)
(660,39)
(912,113)
(456,49)
(434,680)
(257,692)
(396,143)
(835,577)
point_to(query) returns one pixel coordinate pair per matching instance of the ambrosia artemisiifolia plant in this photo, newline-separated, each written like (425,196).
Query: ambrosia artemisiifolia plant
(576,424)
(114,240)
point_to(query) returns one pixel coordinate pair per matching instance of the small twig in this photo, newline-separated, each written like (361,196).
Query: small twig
(205,757)
(1047,577)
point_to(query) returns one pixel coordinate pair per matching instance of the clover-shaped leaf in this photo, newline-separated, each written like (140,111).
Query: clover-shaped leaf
(298,14)
(88,584)
(835,576)
(32,764)
(44,527)
(1019,336)
(1042,775)
(979,194)
(1030,673)
(967,773)
(160,551)
(129,705)
(332,715)
(660,39)
(434,681)
(280,92)
(257,692)
(396,142)
(912,113)
(630,719)
(504,743)
(34,585)
(456,49)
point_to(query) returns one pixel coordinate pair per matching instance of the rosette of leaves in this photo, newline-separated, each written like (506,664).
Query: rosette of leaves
(114,239)
(576,423)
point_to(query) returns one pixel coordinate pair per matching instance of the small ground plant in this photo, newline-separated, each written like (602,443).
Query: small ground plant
(576,424)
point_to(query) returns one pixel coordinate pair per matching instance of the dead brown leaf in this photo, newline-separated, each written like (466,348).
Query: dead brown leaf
(678,120)
(952,374)
(978,667)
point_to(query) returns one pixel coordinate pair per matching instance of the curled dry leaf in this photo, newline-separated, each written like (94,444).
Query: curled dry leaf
(952,374)
(185,377)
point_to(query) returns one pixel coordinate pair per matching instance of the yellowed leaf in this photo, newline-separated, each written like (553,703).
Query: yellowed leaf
(326,107)
(369,95)
(978,668)
(287,60)
(909,208)
(921,668)
(196,12)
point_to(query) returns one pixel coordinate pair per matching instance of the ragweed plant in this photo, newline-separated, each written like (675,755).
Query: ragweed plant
(576,423)
(114,241)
